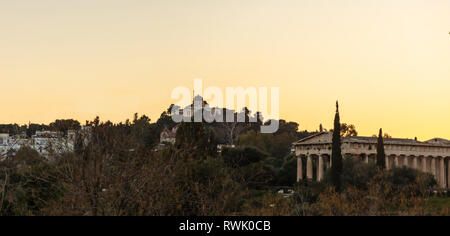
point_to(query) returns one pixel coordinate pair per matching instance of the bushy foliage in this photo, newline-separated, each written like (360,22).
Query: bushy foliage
(286,175)
(119,172)
(359,174)
(247,163)
(354,173)
(242,156)
(381,196)
(279,162)
(116,174)
(65,125)
(29,184)
(367,190)
(276,145)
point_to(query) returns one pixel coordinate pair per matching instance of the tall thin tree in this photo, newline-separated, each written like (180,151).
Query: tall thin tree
(336,154)
(381,155)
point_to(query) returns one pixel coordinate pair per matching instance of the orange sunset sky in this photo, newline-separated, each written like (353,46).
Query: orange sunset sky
(387,61)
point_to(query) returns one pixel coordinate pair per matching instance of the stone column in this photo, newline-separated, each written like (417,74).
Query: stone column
(366,159)
(299,168)
(442,172)
(424,164)
(415,166)
(386,161)
(433,167)
(396,161)
(405,161)
(448,173)
(309,167)
(320,168)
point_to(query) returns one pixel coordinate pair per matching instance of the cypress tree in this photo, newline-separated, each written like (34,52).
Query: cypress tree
(381,155)
(336,154)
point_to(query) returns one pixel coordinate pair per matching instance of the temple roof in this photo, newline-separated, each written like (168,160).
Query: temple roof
(326,138)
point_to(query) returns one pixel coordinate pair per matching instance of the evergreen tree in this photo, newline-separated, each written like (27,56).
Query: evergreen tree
(336,155)
(381,155)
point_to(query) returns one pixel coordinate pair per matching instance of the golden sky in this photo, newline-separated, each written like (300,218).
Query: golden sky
(387,61)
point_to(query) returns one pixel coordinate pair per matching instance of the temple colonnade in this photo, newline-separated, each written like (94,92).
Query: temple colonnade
(433,156)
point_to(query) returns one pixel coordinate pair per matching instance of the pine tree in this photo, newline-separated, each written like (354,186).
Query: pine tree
(336,155)
(381,155)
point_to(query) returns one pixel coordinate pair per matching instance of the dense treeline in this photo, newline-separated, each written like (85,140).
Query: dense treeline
(30,129)
(121,172)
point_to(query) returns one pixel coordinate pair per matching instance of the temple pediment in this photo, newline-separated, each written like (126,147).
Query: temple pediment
(324,137)
(439,141)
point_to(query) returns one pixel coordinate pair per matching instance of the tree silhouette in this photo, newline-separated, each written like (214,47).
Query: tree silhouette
(336,155)
(381,155)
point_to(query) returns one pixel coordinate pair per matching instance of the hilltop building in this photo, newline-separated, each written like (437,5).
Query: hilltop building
(198,105)
(169,136)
